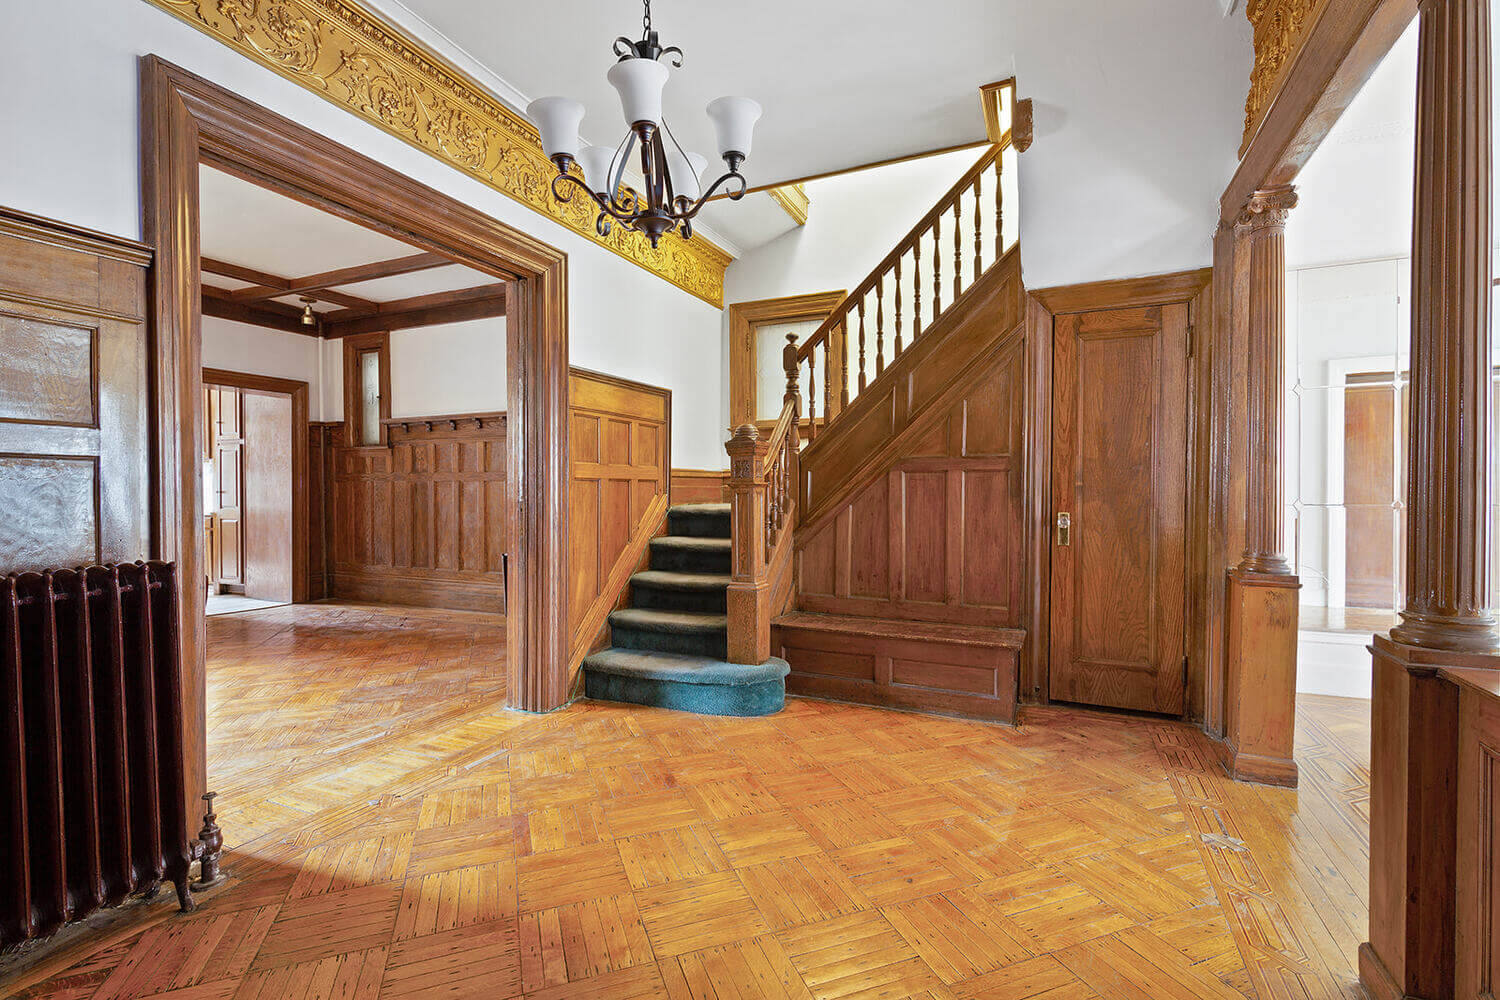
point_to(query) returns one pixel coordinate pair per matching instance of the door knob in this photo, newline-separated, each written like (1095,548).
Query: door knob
(1064,527)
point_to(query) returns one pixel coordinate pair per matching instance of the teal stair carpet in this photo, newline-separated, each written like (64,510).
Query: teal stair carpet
(669,647)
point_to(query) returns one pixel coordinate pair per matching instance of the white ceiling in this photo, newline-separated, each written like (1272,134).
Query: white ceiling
(245,224)
(1139,103)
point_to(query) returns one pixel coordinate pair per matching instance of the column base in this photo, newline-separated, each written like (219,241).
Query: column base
(1262,678)
(1377,979)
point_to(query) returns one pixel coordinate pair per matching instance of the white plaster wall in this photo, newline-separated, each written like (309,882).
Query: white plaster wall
(240,347)
(71,152)
(454,368)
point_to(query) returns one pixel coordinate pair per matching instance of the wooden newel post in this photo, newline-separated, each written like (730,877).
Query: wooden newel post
(749,597)
(790,365)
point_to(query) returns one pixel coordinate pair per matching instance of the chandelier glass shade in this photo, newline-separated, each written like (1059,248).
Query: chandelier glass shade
(673,189)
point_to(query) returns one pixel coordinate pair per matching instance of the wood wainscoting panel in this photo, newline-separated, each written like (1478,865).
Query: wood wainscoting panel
(421,519)
(74,435)
(936,533)
(926,666)
(1477,887)
(700,486)
(620,452)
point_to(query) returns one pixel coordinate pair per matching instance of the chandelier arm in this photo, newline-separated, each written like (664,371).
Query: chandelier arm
(617,173)
(692,209)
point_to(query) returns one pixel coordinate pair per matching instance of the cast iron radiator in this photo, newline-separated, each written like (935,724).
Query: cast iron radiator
(92,782)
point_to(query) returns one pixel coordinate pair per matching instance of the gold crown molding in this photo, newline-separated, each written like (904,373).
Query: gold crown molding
(793,200)
(350,56)
(1279,26)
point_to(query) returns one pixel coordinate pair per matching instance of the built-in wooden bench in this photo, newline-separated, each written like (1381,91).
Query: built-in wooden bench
(930,666)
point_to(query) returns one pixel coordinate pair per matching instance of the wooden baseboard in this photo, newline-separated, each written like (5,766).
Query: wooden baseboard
(1278,771)
(1376,978)
(419,592)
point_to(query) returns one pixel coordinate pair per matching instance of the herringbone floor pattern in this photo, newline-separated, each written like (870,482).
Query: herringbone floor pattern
(398,834)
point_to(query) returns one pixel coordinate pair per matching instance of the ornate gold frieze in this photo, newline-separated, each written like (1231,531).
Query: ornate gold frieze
(1279,29)
(355,59)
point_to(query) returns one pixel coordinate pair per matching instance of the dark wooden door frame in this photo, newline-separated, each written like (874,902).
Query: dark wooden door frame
(301,509)
(185,121)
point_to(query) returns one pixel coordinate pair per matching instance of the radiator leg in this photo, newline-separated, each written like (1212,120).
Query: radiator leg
(212,839)
(185,896)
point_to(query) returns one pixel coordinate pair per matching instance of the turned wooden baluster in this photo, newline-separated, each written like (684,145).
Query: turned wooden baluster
(879,326)
(978,231)
(844,363)
(916,289)
(937,265)
(958,250)
(812,394)
(861,343)
(999,211)
(828,394)
(896,353)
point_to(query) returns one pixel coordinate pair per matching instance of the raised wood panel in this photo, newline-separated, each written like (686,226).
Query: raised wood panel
(620,456)
(1478,888)
(73,396)
(1119,472)
(917,665)
(699,486)
(877,423)
(421,520)
(268,514)
(935,533)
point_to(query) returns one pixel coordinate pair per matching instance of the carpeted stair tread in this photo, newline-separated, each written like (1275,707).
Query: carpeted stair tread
(653,620)
(662,579)
(700,508)
(699,520)
(683,668)
(687,543)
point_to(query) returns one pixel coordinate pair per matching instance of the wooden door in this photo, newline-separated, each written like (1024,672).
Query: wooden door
(74,425)
(266,495)
(225,421)
(1119,474)
(1372,534)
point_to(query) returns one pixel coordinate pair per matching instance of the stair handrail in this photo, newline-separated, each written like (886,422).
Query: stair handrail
(763,508)
(833,335)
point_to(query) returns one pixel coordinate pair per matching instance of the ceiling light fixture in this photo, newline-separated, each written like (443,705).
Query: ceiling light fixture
(673,177)
(309,318)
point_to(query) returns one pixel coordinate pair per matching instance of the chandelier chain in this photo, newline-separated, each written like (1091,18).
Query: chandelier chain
(646,20)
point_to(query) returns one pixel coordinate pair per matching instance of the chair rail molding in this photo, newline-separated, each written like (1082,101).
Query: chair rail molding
(346,54)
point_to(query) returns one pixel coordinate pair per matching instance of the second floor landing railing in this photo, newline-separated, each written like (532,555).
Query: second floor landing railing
(947,251)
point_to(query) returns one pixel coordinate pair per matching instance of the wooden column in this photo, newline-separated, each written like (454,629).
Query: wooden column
(1262,589)
(1414,840)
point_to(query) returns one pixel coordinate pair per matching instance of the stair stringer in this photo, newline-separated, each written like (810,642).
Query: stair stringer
(912,392)
(906,393)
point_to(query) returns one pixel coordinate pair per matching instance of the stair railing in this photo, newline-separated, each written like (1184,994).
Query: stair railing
(974,215)
(763,509)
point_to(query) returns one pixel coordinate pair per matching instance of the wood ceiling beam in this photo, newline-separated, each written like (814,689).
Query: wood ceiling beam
(319,283)
(224,269)
(271,315)
(482,302)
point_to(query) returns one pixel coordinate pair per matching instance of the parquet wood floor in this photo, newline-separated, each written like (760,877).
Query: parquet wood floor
(395,833)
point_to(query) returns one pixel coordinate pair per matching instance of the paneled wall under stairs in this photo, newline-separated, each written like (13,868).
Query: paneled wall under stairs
(910,553)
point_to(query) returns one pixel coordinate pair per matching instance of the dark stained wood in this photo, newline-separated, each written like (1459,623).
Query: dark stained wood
(1415,835)
(186,120)
(482,302)
(1036,595)
(935,531)
(1119,455)
(354,417)
(269,466)
(1477,894)
(932,667)
(74,409)
(321,282)
(1124,293)
(306,488)
(271,315)
(620,439)
(421,520)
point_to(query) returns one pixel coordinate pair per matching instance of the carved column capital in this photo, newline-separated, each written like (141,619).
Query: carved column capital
(1262,223)
(1266,211)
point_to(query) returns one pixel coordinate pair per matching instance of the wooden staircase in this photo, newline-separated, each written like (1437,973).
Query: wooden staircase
(882,388)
